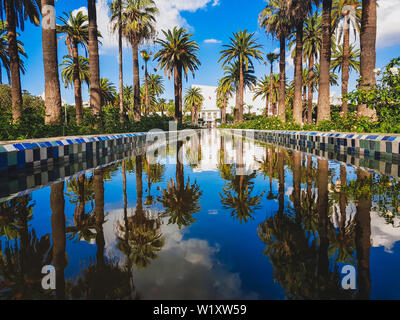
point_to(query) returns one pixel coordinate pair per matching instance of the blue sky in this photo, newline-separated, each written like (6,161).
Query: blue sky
(212,23)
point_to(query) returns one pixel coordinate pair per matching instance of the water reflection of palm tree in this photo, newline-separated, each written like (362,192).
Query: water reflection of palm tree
(155,173)
(267,166)
(57,203)
(22,258)
(139,236)
(297,240)
(180,200)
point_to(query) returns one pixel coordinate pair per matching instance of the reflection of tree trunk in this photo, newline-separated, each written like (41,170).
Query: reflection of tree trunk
(281,178)
(98,184)
(139,182)
(323,260)
(57,203)
(363,238)
(309,176)
(342,200)
(81,190)
(296,181)
(180,179)
(126,222)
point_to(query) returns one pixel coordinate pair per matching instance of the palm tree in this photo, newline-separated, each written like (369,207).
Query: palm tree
(16,12)
(242,48)
(75,71)
(194,101)
(271,57)
(4,56)
(94,61)
(297,11)
(178,53)
(117,25)
(52,100)
(263,89)
(324,96)
(312,47)
(350,11)
(76,31)
(225,91)
(161,103)
(155,88)
(274,18)
(232,79)
(146,57)
(108,92)
(138,25)
(368,52)
(350,61)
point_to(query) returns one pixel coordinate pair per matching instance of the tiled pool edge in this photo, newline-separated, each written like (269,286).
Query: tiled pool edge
(318,144)
(30,155)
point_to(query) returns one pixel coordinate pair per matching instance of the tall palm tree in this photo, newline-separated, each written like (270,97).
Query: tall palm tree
(324,96)
(108,92)
(94,60)
(263,89)
(146,57)
(232,78)
(178,53)
(368,52)
(76,32)
(155,88)
(52,90)
(194,101)
(297,11)
(312,47)
(349,13)
(16,12)
(4,56)
(271,57)
(242,48)
(224,92)
(138,25)
(75,71)
(117,25)
(274,18)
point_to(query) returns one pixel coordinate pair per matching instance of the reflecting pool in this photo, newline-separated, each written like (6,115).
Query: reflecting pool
(221,218)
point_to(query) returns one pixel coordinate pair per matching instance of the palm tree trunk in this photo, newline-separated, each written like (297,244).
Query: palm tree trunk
(368,52)
(77,85)
(342,199)
(282,80)
(271,88)
(52,101)
(16,91)
(324,99)
(310,88)
(223,112)
(137,105)
(297,181)
(147,102)
(57,203)
(237,105)
(121,69)
(241,93)
(363,240)
(98,185)
(345,65)
(94,61)
(298,75)
(178,94)
(139,183)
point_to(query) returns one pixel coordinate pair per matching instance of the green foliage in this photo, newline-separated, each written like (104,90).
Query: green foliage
(32,121)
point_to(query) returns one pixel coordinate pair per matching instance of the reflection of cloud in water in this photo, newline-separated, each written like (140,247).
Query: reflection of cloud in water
(184,269)
(382,233)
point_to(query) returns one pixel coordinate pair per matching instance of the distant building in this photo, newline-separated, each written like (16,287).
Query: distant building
(63,102)
(210,112)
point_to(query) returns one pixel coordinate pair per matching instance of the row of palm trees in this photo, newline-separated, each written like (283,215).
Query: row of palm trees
(311,26)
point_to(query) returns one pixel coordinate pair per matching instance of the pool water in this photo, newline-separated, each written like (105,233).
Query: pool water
(223,218)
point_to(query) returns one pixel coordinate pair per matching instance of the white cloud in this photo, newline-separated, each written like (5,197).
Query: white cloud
(277,50)
(212,41)
(388,23)
(170,16)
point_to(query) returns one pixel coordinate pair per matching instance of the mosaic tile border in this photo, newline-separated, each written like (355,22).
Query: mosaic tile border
(22,182)
(29,155)
(363,151)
